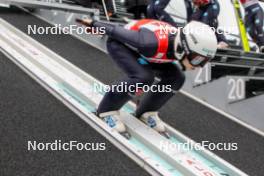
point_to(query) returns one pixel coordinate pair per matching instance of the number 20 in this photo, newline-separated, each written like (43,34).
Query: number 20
(237,89)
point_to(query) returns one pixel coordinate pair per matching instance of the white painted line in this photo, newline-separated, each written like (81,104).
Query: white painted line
(70,17)
(4,5)
(229,116)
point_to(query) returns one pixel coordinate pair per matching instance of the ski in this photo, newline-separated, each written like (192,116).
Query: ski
(126,135)
(166,134)
(241,26)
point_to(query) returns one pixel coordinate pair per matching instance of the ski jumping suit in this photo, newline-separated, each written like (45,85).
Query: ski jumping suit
(254,20)
(189,9)
(156,10)
(208,14)
(142,51)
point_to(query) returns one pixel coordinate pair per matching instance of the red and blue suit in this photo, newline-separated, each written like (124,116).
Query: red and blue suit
(142,51)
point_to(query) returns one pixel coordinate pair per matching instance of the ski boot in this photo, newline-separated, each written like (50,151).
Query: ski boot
(113,121)
(152,120)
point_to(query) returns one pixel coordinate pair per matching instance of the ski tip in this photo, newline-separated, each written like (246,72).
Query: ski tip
(126,135)
(166,134)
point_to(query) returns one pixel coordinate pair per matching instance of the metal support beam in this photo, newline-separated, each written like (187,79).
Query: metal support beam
(52,6)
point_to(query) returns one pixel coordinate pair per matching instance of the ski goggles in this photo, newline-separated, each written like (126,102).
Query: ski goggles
(197,60)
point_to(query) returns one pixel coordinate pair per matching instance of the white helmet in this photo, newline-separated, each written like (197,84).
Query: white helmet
(197,41)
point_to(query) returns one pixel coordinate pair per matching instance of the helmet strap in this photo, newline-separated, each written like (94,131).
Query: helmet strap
(177,43)
(184,43)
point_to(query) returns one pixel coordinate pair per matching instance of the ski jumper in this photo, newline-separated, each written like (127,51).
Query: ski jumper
(156,10)
(189,9)
(254,20)
(208,14)
(143,52)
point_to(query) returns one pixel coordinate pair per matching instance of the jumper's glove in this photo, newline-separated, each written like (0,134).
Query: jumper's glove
(222,45)
(86,22)
(89,27)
